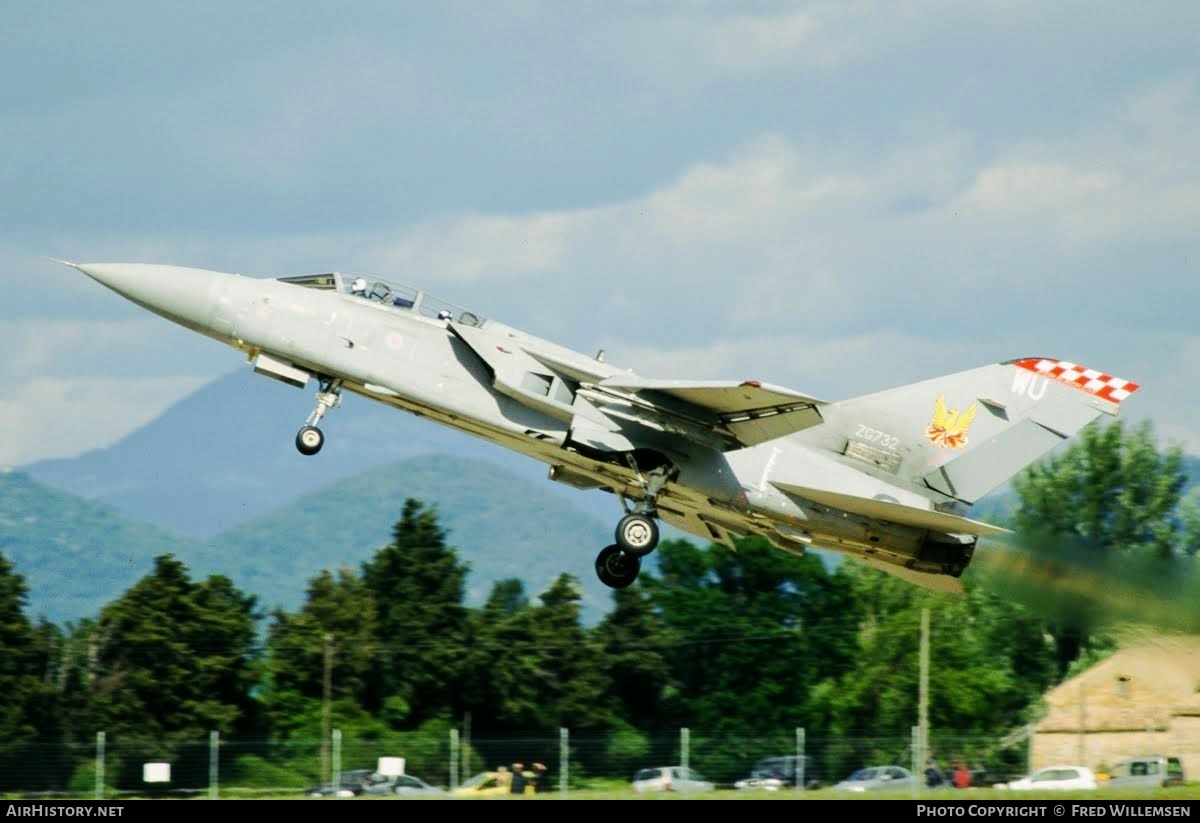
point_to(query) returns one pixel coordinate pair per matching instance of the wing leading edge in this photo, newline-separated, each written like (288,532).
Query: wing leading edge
(747,412)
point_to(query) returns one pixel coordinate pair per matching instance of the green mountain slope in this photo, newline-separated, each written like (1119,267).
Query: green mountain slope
(502,525)
(76,555)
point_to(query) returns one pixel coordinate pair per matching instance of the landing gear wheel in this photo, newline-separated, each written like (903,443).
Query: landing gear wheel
(309,440)
(637,534)
(617,569)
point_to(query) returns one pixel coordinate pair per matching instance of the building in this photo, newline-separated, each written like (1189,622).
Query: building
(1144,699)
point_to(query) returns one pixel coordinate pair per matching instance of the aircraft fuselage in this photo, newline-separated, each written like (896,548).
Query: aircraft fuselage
(409,350)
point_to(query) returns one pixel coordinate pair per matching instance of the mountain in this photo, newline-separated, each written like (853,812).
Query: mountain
(501,524)
(76,555)
(224,455)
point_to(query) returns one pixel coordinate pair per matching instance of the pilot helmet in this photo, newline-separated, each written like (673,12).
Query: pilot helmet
(360,284)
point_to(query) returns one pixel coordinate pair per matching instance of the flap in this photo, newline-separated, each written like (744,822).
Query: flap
(719,396)
(747,413)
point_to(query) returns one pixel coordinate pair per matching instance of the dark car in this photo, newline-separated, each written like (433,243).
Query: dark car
(351,784)
(774,773)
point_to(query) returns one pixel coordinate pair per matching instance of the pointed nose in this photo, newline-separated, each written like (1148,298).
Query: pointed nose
(187,296)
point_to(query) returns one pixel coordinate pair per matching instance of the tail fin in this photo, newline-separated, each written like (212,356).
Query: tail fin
(965,434)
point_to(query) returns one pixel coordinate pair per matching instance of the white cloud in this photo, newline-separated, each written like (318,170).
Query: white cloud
(54,417)
(679,49)
(479,246)
(35,347)
(1035,187)
(747,43)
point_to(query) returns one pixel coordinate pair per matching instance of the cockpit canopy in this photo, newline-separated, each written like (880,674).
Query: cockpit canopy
(389,294)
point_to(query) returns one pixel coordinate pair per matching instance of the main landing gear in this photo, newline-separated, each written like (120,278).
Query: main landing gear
(309,439)
(618,565)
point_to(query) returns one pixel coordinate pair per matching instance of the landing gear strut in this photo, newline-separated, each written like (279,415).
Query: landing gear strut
(618,565)
(309,439)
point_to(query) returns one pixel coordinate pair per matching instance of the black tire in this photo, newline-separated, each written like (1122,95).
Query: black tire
(617,569)
(637,534)
(309,440)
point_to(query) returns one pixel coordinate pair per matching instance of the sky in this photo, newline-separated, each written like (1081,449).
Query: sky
(838,197)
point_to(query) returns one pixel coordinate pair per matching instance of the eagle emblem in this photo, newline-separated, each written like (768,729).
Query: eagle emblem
(948,429)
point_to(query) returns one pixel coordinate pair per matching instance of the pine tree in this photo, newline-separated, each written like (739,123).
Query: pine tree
(338,617)
(421,630)
(29,723)
(173,660)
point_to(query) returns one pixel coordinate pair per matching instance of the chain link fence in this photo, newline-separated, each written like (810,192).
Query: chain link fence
(209,766)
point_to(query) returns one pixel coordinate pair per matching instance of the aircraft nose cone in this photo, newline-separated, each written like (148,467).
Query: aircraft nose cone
(184,295)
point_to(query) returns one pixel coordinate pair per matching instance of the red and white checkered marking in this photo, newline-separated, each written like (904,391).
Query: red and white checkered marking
(1091,381)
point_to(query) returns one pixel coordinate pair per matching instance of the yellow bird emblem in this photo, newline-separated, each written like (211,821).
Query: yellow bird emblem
(948,429)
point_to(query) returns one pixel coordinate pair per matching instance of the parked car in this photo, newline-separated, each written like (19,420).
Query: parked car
(1147,772)
(349,785)
(401,785)
(877,779)
(485,784)
(774,773)
(670,779)
(1054,778)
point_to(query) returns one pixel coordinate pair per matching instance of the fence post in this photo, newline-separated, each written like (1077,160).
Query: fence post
(916,759)
(564,760)
(684,744)
(1029,733)
(214,742)
(453,759)
(99,765)
(337,762)
(799,770)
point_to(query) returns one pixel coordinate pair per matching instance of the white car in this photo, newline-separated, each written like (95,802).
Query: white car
(670,779)
(1063,778)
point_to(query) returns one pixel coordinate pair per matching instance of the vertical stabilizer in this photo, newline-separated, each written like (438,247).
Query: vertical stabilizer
(965,434)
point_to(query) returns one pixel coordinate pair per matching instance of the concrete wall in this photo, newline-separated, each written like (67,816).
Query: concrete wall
(1180,739)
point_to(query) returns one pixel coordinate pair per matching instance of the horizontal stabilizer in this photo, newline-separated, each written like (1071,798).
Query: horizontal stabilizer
(933,582)
(893,512)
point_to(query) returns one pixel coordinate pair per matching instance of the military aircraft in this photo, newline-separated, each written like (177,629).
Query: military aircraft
(886,477)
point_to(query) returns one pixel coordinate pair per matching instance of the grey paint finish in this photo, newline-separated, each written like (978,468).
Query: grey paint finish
(886,477)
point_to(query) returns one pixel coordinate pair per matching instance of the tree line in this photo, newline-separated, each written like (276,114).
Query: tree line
(745,645)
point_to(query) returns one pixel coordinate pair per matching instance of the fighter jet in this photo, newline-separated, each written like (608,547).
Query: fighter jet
(887,477)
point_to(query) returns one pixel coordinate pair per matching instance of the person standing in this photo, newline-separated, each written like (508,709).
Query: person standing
(962,776)
(933,774)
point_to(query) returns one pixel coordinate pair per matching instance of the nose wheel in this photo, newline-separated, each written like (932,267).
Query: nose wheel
(309,439)
(616,568)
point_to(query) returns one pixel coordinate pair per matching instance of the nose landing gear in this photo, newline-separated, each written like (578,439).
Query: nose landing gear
(310,439)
